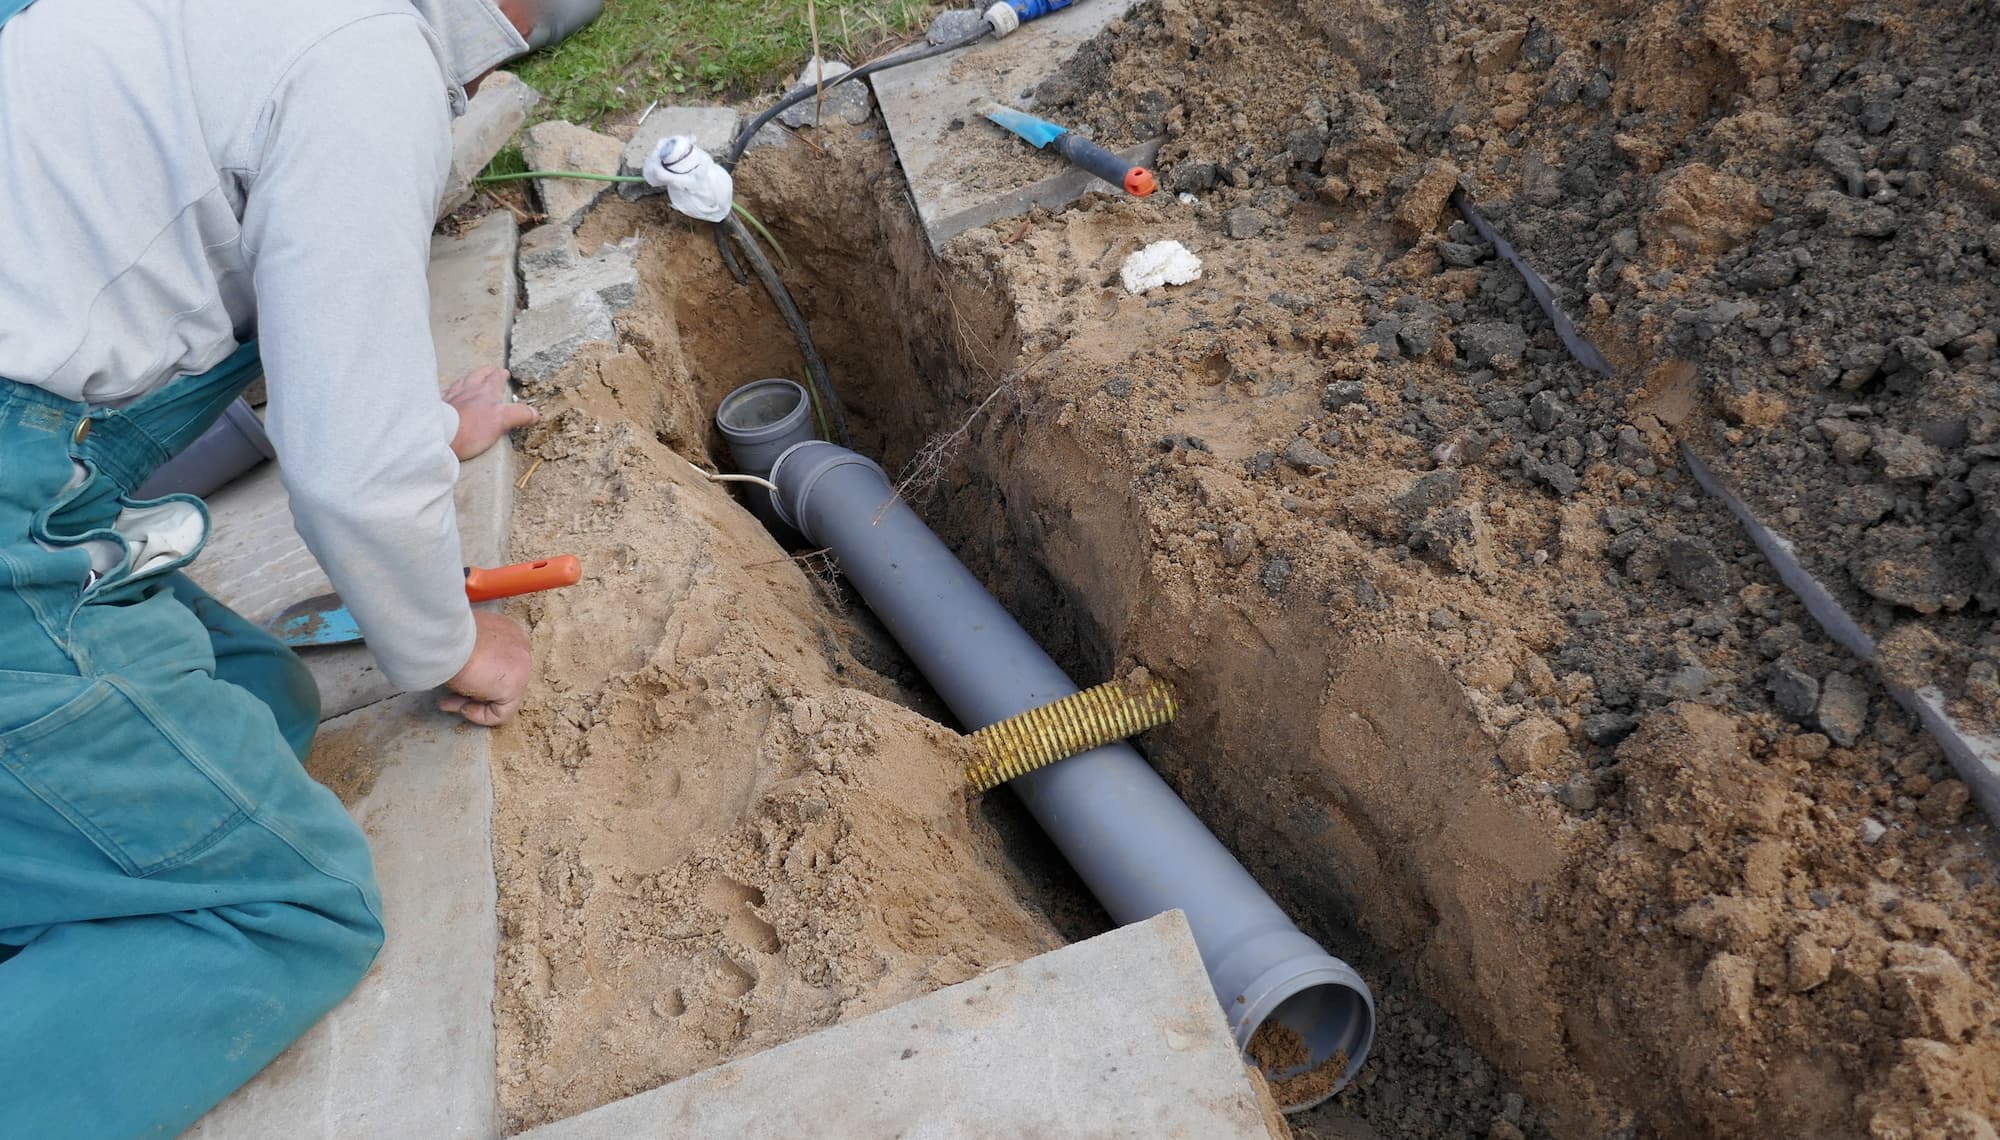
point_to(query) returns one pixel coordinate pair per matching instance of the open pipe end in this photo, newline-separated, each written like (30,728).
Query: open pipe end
(1321,1009)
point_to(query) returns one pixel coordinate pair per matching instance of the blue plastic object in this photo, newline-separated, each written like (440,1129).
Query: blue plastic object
(1036,9)
(1039,131)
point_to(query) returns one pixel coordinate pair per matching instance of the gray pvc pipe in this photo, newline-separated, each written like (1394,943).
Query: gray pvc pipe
(1138,847)
(761,421)
(230,447)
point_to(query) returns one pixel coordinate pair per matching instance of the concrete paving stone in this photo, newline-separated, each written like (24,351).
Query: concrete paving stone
(557,145)
(849,102)
(547,338)
(612,274)
(255,561)
(410,1052)
(921,101)
(712,128)
(491,118)
(1118,1036)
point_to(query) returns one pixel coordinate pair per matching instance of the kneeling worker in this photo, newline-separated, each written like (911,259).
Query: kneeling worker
(187,186)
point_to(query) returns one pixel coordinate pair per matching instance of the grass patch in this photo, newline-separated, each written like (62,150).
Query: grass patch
(675,50)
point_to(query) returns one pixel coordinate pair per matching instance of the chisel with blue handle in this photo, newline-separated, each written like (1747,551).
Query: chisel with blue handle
(1134,180)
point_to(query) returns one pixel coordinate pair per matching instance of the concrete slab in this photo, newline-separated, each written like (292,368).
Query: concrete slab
(410,1052)
(953,178)
(255,561)
(1119,1036)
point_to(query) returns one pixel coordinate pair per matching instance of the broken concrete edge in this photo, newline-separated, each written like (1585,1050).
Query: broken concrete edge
(558,145)
(1974,756)
(571,300)
(1117,1035)
(491,119)
(1053,193)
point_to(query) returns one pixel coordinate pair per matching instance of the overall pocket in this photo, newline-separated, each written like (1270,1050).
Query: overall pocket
(100,762)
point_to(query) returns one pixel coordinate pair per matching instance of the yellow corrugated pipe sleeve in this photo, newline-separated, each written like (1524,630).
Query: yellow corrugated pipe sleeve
(1078,723)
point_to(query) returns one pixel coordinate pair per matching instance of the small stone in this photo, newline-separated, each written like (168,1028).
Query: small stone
(1932,991)
(1843,708)
(1417,214)
(1277,574)
(1302,455)
(1795,693)
(1807,964)
(1579,792)
(1238,544)
(954,25)
(1842,161)
(1533,744)
(1444,620)
(1608,728)
(1545,411)
(1246,222)
(1684,684)
(1945,802)
(1559,477)
(1194,177)
(1902,565)
(1341,393)
(1728,987)
(1492,344)
(849,102)
(1462,255)
(1906,456)
(1696,568)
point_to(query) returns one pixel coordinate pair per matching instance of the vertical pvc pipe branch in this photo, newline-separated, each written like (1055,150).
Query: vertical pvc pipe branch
(761,421)
(1138,847)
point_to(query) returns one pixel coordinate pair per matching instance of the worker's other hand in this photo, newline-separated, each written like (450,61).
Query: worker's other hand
(488,691)
(486,411)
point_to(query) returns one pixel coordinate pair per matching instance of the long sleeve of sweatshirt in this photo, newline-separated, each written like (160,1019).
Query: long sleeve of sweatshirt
(337,223)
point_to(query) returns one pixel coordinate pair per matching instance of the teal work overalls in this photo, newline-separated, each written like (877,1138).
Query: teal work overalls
(178,899)
(185,899)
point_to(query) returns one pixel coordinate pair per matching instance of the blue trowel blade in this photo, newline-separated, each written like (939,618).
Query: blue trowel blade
(309,625)
(1041,132)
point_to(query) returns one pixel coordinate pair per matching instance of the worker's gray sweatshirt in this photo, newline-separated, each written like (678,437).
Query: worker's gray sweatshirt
(177,176)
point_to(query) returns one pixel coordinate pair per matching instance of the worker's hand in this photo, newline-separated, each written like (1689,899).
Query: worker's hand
(486,411)
(488,691)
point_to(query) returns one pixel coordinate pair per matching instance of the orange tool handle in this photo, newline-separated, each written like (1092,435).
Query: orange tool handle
(521,578)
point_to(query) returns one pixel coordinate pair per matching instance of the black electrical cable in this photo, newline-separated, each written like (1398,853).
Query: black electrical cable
(835,419)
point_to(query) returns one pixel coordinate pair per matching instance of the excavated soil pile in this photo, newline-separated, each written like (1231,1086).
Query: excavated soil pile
(1494,699)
